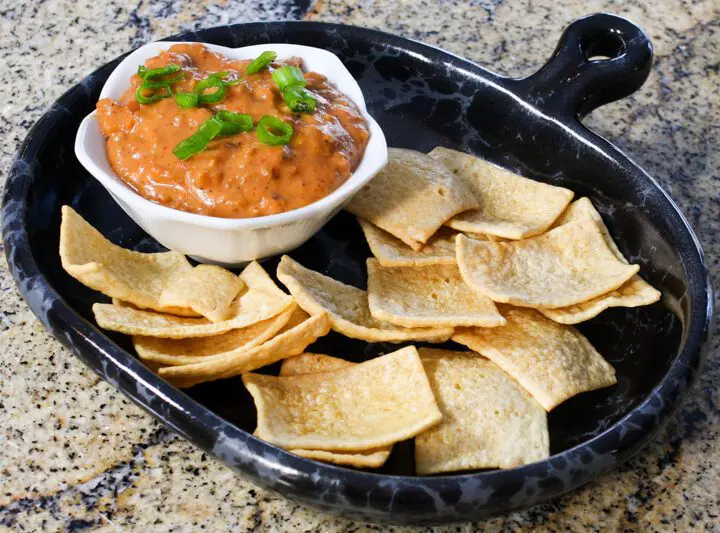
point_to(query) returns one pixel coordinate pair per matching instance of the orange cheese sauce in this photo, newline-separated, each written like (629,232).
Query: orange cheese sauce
(237,176)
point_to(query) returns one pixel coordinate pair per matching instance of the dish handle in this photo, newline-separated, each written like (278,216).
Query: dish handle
(600,58)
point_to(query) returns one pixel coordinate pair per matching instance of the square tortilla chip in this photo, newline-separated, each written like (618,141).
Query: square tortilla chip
(428,296)
(207,289)
(552,361)
(511,206)
(262,300)
(311,363)
(565,266)
(127,275)
(173,352)
(392,252)
(412,197)
(347,307)
(489,420)
(364,406)
(633,293)
(299,333)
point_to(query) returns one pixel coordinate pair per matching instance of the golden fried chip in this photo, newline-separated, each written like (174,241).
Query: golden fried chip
(130,276)
(364,406)
(565,266)
(310,363)
(262,300)
(412,197)
(207,289)
(511,206)
(552,361)
(489,420)
(633,293)
(392,252)
(347,307)
(300,332)
(172,352)
(427,296)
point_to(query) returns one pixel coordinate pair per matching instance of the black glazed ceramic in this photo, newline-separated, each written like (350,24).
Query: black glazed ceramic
(422,97)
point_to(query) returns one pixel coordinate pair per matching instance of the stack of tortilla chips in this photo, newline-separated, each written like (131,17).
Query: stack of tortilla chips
(463,250)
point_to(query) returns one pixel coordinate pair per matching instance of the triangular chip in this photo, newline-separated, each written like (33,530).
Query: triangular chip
(633,293)
(489,420)
(173,352)
(511,206)
(552,361)
(565,266)
(412,197)
(392,252)
(299,333)
(371,404)
(262,300)
(130,276)
(427,296)
(347,307)
(311,363)
(207,289)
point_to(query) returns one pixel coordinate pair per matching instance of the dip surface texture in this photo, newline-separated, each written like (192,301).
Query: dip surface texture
(237,176)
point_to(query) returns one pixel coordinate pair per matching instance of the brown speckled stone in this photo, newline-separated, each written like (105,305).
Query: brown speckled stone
(76,454)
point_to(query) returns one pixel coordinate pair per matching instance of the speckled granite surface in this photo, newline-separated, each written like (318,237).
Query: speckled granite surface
(76,454)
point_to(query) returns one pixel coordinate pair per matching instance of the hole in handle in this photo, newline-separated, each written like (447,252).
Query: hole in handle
(603,45)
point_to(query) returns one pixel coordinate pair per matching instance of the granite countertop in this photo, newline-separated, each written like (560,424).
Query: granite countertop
(76,454)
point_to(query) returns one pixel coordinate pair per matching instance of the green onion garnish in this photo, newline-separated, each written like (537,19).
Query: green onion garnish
(209,83)
(154,74)
(233,123)
(260,62)
(299,100)
(273,131)
(199,140)
(222,75)
(141,97)
(288,76)
(187,100)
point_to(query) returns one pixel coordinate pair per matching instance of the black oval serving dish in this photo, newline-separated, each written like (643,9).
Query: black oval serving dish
(422,97)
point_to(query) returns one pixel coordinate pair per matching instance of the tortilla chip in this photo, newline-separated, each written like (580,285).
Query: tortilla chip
(130,276)
(633,293)
(311,363)
(347,307)
(412,197)
(364,406)
(262,300)
(511,206)
(489,420)
(565,266)
(392,252)
(172,352)
(552,361)
(428,296)
(207,289)
(300,332)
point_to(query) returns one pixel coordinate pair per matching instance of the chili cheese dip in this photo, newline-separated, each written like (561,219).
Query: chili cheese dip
(203,133)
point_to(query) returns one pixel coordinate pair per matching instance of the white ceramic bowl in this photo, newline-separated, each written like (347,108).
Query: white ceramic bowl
(229,241)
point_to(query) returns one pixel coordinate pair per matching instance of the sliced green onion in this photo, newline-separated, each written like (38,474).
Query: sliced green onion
(273,131)
(154,74)
(141,97)
(224,74)
(233,123)
(260,62)
(209,83)
(288,76)
(199,140)
(299,100)
(187,100)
